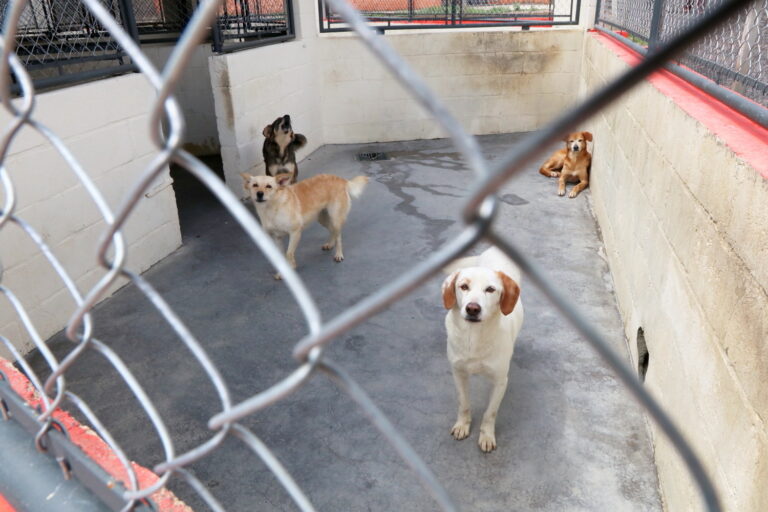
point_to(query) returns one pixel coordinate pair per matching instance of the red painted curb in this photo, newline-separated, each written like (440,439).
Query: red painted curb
(743,136)
(5,506)
(92,445)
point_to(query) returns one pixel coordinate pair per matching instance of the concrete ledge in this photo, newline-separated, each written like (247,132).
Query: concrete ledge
(678,183)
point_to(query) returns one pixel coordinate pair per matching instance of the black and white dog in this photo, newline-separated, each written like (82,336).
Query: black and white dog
(280,146)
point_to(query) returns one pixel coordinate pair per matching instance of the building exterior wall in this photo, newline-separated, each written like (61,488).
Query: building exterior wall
(106,125)
(492,81)
(195,96)
(683,220)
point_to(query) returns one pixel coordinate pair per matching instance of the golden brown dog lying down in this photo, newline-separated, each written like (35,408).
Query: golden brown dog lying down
(570,163)
(286,209)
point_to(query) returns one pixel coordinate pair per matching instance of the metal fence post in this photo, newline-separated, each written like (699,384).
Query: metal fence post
(654,39)
(129,20)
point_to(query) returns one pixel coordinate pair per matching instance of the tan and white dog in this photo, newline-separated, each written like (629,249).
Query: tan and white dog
(286,209)
(485,316)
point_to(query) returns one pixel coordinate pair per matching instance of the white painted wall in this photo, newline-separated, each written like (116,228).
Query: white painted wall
(195,96)
(105,124)
(492,80)
(684,225)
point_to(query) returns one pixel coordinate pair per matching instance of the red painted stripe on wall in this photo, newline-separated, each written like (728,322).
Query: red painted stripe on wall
(743,136)
(93,445)
(5,506)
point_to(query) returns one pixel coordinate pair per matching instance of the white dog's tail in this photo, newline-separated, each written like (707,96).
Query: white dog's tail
(355,186)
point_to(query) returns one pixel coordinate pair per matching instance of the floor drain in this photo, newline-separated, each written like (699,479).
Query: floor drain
(371,157)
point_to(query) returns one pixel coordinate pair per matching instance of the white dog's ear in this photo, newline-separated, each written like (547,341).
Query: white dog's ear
(246,180)
(510,294)
(449,290)
(283,180)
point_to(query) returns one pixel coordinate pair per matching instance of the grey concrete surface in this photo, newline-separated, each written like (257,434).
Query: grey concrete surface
(569,437)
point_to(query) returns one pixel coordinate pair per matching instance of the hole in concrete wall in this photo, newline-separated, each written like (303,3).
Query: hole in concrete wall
(371,157)
(643,356)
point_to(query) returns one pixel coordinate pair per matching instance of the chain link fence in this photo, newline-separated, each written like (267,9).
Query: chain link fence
(248,23)
(735,55)
(161,20)
(60,41)
(405,14)
(312,363)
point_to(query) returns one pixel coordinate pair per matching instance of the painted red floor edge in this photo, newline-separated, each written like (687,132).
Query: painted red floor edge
(91,444)
(743,136)
(5,506)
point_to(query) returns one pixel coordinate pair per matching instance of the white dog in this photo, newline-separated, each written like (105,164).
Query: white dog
(485,315)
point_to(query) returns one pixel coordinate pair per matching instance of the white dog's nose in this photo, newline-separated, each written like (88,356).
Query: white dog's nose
(473,309)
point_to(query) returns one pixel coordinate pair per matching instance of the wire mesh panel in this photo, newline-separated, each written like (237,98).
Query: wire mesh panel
(311,361)
(735,55)
(159,20)
(61,41)
(248,23)
(404,14)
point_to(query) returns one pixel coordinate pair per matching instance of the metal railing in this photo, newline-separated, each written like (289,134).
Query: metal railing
(249,23)
(312,363)
(61,41)
(733,56)
(161,20)
(410,14)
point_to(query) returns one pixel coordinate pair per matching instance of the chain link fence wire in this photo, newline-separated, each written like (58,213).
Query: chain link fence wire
(248,23)
(405,14)
(734,55)
(161,20)
(58,40)
(111,255)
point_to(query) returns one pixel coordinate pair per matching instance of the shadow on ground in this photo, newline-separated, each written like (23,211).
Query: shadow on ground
(569,436)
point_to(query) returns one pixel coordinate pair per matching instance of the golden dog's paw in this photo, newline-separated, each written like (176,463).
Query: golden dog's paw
(487,442)
(554,174)
(561,193)
(573,194)
(278,277)
(460,430)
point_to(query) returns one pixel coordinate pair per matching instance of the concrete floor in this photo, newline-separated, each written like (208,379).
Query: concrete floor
(570,438)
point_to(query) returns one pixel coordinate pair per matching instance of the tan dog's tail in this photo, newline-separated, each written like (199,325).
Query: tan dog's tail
(355,186)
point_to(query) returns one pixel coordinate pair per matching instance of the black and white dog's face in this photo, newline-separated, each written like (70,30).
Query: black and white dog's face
(280,130)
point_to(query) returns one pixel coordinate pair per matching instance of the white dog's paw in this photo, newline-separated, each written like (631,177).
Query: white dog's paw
(487,442)
(278,277)
(327,247)
(338,258)
(460,430)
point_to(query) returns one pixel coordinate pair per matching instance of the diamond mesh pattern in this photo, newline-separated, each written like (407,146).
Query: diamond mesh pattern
(311,363)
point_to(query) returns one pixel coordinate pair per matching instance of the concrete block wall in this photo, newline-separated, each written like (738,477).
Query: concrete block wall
(105,124)
(251,89)
(195,96)
(683,220)
(494,81)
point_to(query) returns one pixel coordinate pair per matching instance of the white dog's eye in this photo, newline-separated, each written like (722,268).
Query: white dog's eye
(464,287)
(490,289)
(269,186)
